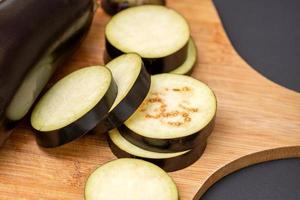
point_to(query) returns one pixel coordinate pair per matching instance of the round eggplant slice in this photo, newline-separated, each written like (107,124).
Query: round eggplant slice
(158,34)
(133,83)
(177,115)
(114,6)
(122,148)
(130,179)
(74,106)
(187,67)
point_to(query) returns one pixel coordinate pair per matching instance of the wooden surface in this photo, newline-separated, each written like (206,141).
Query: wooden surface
(254,114)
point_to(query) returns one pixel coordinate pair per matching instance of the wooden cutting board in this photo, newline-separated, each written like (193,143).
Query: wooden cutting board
(254,114)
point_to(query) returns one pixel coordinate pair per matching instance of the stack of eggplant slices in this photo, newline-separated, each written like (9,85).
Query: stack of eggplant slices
(164,118)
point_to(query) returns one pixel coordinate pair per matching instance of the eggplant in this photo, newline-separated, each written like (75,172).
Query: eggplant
(158,34)
(187,67)
(73,106)
(171,144)
(132,90)
(35,37)
(177,115)
(170,162)
(112,7)
(130,179)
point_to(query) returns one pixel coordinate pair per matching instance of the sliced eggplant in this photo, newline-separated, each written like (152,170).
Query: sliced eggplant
(187,67)
(133,83)
(130,179)
(122,148)
(114,6)
(177,115)
(41,35)
(73,106)
(158,34)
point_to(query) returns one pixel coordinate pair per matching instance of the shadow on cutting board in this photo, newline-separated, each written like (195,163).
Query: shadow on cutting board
(267,35)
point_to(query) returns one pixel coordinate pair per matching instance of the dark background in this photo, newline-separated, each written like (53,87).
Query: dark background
(274,180)
(266,33)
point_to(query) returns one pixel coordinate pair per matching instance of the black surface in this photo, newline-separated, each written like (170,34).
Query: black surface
(266,33)
(274,180)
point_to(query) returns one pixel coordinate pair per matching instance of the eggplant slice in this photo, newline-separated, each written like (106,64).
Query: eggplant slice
(130,179)
(74,106)
(177,115)
(114,6)
(133,83)
(158,34)
(187,67)
(170,162)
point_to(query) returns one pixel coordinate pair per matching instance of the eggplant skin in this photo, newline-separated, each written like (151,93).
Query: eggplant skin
(153,65)
(168,145)
(29,31)
(129,103)
(169,164)
(112,7)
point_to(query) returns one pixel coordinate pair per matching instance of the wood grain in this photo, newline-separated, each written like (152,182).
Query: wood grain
(254,114)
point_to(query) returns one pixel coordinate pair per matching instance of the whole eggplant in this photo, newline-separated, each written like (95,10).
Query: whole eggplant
(36,36)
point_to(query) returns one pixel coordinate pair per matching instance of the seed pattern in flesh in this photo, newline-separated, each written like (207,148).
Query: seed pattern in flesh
(160,113)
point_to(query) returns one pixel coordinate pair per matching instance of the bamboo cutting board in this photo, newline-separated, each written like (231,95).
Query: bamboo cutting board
(254,114)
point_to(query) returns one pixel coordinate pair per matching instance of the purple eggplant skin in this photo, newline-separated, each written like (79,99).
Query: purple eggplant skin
(30,31)
(112,7)
(129,103)
(168,145)
(153,65)
(169,164)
